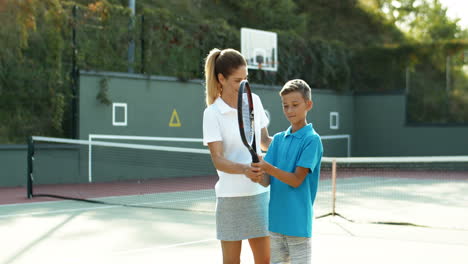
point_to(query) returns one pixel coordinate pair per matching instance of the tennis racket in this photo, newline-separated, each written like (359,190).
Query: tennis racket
(245,116)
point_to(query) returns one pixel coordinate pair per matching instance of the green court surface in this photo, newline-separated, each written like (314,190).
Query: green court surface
(78,232)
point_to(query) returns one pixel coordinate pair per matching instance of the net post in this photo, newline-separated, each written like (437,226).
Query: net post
(29,173)
(349,146)
(333,187)
(90,153)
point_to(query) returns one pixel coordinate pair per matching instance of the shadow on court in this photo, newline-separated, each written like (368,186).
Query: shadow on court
(12,257)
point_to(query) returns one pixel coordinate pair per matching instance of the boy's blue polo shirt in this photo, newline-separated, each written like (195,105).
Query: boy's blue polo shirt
(291,209)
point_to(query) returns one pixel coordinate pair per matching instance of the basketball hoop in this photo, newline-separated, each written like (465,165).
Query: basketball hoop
(259,49)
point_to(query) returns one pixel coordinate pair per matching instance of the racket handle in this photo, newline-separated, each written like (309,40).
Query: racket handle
(254,157)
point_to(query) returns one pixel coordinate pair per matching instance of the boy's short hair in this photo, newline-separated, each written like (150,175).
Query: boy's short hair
(297,85)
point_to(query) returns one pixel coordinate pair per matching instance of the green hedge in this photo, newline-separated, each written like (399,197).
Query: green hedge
(42,42)
(435,96)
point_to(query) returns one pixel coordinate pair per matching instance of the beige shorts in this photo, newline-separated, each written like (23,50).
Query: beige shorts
(289,249)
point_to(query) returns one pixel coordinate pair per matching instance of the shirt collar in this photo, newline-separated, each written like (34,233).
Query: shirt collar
(300,133)
(222,106)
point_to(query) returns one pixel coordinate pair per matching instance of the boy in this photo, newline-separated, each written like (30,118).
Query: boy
(293,163)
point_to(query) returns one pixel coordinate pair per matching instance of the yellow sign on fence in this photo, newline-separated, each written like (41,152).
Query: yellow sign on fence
(175,120)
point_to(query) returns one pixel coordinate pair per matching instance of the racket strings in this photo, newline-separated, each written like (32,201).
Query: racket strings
(247,117)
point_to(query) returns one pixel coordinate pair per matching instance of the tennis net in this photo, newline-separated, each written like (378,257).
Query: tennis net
(122,173)
(420,191)
(178,174)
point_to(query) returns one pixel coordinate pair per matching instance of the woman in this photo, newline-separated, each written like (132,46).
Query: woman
(242,203)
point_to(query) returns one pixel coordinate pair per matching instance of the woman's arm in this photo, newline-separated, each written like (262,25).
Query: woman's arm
(265,139)
(265,144)
(225,165)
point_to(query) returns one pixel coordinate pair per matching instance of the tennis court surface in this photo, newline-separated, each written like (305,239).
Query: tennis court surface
(132,203)
(79,232)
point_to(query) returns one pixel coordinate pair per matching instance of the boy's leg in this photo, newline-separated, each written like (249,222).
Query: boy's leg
(279,248)
(300,249)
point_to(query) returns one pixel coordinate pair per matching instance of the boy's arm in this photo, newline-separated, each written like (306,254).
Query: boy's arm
(294,179)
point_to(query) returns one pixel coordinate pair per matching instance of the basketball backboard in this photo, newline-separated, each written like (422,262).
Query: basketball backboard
(260,49)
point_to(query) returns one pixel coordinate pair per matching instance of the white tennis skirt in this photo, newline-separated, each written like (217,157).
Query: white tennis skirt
(239,218)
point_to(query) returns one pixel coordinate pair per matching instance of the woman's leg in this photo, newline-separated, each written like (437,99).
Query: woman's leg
(231,251)
(261,249)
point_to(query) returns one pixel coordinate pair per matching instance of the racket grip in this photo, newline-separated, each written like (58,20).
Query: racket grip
(255,158)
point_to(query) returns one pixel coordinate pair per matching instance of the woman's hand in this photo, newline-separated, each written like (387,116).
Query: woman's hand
(254,173)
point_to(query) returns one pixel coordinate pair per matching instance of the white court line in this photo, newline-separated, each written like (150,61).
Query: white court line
(97,207)
(30,203)
(163,247)
(59,211)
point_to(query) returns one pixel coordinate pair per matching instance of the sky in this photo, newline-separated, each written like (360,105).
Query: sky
(457,9)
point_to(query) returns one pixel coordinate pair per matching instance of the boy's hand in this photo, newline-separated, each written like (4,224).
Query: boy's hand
(261,164)
(254,173)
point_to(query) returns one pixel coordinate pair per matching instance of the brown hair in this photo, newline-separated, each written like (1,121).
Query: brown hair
(220,61)
(297,85)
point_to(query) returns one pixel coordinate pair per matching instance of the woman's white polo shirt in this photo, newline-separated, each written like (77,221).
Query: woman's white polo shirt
(220,124)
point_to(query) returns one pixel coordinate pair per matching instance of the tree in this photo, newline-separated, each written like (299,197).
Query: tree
(433,24)
(271,14)
(397,12)
(423,20)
